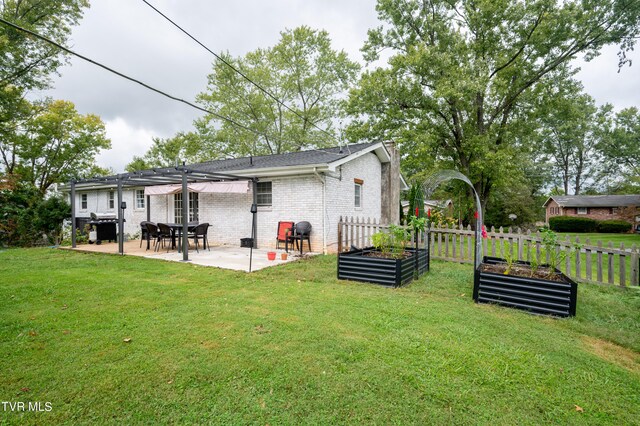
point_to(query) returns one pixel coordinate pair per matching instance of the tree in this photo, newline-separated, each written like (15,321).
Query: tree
(188,147)
(302,71)
(464,74)
(621,146)
(24,61)
(56,145)
(571,128)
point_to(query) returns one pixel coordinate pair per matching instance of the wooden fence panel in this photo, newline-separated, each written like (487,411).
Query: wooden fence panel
(458,244)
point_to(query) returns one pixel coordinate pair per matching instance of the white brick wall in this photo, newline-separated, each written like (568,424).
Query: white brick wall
(340,195)
(295,198)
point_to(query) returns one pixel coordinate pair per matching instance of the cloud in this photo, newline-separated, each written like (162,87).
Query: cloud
(126,141)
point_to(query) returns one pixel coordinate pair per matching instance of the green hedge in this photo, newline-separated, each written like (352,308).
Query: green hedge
(614,226)
(572,224)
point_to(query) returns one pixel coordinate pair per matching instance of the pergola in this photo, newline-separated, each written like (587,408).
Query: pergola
(162,176)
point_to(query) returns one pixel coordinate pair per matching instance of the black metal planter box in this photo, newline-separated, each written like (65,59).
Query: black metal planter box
(353,265)
(538,296)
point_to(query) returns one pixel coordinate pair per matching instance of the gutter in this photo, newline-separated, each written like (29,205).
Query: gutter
(324,208)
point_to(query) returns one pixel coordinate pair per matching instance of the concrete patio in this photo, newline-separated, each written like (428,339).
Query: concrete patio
(225,257)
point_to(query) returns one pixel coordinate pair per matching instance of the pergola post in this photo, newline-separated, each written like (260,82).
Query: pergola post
(148,208)
(254,212)
(120,218)
(185,217)
(73,213)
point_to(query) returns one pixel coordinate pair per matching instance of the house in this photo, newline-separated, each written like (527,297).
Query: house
(445,206)
(317,186)
(600,207)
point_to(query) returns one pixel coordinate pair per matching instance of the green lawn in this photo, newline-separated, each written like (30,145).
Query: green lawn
(628,239)
(292,345)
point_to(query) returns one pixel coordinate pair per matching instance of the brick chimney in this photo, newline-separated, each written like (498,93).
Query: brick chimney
(390,197)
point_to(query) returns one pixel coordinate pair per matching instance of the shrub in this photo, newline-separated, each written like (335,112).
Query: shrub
(614,226)
(572,224)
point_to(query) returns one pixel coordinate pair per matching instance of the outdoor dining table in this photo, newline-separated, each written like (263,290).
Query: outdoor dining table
(176,231)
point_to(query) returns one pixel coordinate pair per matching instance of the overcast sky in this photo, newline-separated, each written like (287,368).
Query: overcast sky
(130,37)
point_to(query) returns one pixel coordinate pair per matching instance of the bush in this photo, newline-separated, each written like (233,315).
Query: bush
(572,224)
(614,226)
(27,218)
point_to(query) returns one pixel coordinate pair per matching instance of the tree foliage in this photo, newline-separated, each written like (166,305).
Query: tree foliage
(302,71)
(27,218)
(185,146)
(55,144)
(24,61)
(464,76)
(571,128)
(621,146)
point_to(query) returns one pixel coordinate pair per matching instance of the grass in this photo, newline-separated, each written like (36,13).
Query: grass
(292,344)
(628,239)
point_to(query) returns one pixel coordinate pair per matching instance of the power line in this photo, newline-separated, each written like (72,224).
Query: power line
(230,65)
(61,47)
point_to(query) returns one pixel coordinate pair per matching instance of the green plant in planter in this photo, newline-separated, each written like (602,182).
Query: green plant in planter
(391,243)
(534,262)
(556,257)
(509,257)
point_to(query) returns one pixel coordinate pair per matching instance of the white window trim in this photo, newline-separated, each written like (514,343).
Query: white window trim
(84,209)
(265,207)
(135,200)
(356,185)
(109,200)
(582,210)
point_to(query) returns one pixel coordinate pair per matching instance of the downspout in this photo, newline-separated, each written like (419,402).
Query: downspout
(324,208)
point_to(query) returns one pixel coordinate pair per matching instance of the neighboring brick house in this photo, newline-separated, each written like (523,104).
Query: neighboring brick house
(600,207)
(317,186)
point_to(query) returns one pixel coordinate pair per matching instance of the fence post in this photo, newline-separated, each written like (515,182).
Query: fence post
(587,256)
(623,267)
(634,265)
(340,224)
(578,259)
(610,264)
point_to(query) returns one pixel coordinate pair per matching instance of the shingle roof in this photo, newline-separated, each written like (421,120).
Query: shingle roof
(301,158)
(596,200)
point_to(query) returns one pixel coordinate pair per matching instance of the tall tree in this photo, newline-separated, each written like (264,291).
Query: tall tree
(464,74)
(57,144)
(24,61)
(621,146)
(571,127)
(302,71)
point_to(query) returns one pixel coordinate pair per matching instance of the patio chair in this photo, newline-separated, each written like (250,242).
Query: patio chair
(164,233)
(200,233)
(151,233)
(144,232)
(301,232)
(285,230)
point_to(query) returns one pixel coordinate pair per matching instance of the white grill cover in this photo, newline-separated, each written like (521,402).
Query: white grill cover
(205,187)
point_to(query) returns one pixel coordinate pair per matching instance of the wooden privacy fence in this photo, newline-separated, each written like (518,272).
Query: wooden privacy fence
(589,262)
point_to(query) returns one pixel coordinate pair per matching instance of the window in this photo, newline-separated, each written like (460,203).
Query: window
(193,207)
(140,199)
(111,200)
(614,210)
(83,201)
(358,195)
(583,210)
(264,194)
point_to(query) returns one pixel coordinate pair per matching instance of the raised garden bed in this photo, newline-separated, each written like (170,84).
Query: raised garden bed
(358,265)
(537,295)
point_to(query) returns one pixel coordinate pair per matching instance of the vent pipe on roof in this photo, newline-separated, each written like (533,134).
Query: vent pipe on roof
(251,160)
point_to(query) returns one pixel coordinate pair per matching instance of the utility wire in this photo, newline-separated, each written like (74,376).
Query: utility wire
(61,47)
(230,65)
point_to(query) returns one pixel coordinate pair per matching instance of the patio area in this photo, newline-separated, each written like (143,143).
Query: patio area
(225,257)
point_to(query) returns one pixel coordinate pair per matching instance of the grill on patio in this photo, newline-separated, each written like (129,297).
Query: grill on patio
(105,226)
